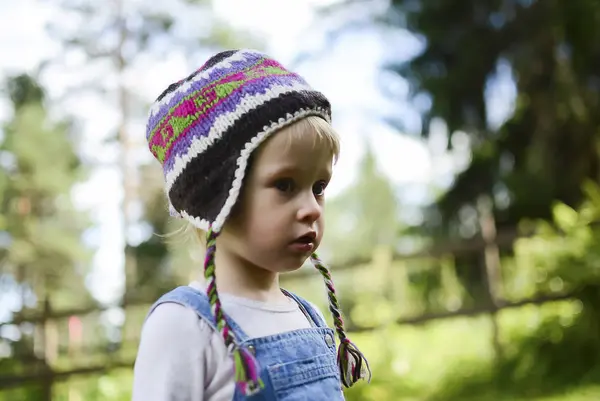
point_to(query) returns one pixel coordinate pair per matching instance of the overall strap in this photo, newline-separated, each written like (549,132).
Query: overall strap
(306,307)
(198,302)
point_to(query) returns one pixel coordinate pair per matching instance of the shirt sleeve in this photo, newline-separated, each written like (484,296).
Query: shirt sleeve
(171,360)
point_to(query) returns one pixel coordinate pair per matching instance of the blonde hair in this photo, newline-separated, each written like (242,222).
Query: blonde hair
(325,134)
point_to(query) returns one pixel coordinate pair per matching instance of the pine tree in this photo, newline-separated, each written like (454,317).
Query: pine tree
(41,256)
(42,229)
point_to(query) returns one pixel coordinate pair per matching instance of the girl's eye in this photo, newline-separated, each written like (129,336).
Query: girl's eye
(319,188)
(285,185)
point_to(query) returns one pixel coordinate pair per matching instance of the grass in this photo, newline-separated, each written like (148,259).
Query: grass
(453,360)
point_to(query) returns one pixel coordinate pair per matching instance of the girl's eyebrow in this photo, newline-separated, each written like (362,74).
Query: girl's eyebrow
(281,169)
(292,169)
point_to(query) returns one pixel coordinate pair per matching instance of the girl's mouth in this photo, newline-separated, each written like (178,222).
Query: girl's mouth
(304,243)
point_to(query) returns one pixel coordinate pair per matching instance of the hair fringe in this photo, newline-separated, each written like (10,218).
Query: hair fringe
(186,232)
(325,134)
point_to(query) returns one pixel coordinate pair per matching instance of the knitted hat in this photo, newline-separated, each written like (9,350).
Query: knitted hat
(203,130)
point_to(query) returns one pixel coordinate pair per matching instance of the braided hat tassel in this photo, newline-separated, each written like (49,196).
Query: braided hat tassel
(247,370)
(352,363)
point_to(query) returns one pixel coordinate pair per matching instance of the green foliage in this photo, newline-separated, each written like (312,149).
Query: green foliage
(563,255)
(41,229)
(549,146)
(44,229)
(560,349)
(115,386)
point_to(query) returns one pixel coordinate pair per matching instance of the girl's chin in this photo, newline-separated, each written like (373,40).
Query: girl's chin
(290,266)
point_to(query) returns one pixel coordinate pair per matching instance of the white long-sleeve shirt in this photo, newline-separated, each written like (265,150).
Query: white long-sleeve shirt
(181,358)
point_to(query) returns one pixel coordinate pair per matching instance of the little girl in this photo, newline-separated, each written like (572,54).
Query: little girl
(247,151)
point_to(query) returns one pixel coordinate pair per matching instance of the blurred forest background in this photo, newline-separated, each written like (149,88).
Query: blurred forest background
(484,287)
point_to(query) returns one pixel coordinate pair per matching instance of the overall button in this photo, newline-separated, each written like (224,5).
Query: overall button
(252,350)
(329,340)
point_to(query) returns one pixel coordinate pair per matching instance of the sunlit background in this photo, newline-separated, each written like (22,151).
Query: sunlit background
(462,220)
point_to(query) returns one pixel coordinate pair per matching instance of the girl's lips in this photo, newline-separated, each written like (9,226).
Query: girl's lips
(304,243)
(302,247)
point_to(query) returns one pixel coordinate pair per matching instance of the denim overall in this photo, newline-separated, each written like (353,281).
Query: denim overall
(295,366)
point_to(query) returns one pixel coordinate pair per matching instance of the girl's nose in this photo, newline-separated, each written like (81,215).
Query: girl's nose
(310,210)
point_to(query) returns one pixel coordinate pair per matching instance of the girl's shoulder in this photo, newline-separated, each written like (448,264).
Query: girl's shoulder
(175,320)
(191,298)
(179,352)
(180,316)
(181,319)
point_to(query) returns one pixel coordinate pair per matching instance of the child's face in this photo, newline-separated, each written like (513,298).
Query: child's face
(279,220)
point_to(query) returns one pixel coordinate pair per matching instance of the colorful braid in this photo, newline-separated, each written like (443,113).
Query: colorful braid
(247,371)
(352,363)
